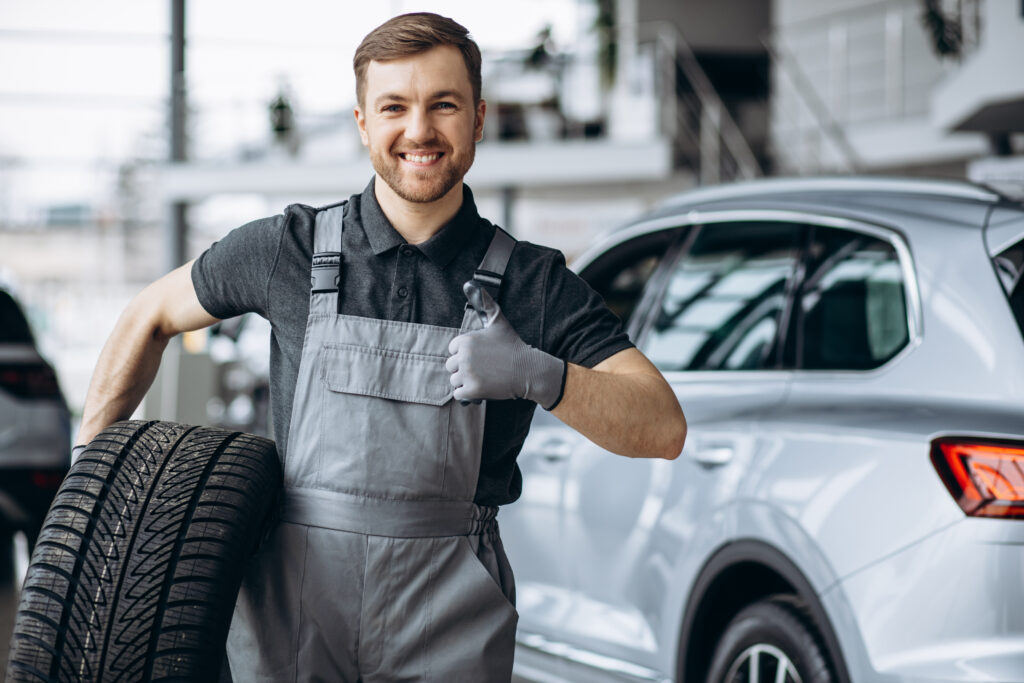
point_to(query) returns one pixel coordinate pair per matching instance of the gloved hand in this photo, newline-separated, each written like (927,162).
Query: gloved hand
(494,363)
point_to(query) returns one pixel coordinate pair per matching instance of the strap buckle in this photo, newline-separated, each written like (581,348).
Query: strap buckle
(489,280)
(326,272)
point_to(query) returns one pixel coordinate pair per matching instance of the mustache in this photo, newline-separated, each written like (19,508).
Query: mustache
(403,146)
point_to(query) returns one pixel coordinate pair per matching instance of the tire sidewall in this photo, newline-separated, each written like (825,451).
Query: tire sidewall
(773,623)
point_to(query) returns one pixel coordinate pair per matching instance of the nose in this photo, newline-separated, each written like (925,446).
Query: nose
(418,127)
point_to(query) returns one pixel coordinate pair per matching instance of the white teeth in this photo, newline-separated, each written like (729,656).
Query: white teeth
(421,159)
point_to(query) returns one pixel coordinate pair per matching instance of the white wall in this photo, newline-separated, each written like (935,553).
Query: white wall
(872,68)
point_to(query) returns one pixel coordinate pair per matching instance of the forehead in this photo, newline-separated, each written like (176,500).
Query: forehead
(439,68)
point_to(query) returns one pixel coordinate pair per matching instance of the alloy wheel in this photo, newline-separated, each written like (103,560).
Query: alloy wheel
(762,663)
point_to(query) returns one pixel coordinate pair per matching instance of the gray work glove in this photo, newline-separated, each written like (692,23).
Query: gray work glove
(494,363)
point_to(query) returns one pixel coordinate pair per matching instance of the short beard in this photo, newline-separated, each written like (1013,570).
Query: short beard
(388,169)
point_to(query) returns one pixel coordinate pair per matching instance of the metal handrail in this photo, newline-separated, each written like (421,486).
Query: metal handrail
(672,43)
(824,121)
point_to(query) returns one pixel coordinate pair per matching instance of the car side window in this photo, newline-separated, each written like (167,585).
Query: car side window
(851,312)
(621,274)
(725,298)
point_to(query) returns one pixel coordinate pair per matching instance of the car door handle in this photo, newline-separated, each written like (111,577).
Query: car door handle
(713,455)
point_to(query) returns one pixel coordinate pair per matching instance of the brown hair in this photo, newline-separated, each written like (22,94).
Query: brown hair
(412,34)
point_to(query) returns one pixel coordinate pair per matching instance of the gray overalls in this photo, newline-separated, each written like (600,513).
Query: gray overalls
(383,568)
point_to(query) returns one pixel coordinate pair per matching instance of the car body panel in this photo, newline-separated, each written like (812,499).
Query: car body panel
(857,473)
(33,432)
(543,590)
(631,523)
(967,584)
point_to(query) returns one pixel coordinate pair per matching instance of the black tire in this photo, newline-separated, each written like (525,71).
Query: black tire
(781,632)
(140,559)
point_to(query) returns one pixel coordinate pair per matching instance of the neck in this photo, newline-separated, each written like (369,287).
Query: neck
(417,222)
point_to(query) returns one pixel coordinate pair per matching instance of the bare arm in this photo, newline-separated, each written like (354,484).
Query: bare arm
(624,405)
(131,355)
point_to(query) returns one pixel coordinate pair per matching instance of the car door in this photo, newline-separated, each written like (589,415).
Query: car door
(862,417)
(532,528)
(714,331)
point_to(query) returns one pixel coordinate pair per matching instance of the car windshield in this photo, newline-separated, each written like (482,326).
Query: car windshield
(13,326)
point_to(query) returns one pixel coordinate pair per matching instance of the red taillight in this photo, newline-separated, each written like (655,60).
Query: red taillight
(985,477)
(47,480)
(29,381)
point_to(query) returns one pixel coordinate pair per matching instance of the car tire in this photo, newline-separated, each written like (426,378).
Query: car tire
(769,634)
(141,556)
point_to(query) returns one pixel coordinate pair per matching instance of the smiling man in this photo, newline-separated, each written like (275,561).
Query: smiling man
(420,155)
(399,410)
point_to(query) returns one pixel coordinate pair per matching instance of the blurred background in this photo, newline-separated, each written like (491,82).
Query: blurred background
(129,141)
(133,133)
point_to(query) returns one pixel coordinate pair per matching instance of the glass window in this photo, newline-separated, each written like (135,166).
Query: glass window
(724,300)
(1010,267)
(851,312)
(13,326)
(621,274)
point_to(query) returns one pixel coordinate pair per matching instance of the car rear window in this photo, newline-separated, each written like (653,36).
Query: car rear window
(1009,264)
(13,326)
(851,310)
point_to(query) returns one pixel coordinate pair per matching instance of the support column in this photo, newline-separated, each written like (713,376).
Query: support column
(508,200)
(178,214)
(710,144)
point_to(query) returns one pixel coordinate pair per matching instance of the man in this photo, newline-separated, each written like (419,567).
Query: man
(398,409)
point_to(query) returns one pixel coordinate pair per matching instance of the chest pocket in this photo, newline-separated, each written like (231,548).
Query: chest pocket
(385,373)
(386,419)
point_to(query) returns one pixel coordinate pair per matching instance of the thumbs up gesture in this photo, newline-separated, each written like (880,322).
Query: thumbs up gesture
(495,363)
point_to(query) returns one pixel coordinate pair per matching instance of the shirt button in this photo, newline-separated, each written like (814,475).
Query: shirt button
(403,292)
(406,251)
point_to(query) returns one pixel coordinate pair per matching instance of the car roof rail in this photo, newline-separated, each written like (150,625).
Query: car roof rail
(947,188)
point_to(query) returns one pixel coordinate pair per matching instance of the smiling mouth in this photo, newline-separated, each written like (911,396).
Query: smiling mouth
(421,158)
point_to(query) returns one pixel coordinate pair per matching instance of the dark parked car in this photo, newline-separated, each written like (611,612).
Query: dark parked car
(35,431)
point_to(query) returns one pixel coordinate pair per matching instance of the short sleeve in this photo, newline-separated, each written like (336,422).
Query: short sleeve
(577,325)
(231,277)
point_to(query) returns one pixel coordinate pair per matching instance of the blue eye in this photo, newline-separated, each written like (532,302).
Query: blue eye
(445,105)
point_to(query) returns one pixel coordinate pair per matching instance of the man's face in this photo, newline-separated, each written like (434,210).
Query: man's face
(420,123)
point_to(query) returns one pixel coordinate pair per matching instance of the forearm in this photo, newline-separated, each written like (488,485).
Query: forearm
(131,356)
(124,372)
(632,414)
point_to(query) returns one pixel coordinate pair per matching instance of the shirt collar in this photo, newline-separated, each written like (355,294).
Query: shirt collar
(440,249)
(376,225)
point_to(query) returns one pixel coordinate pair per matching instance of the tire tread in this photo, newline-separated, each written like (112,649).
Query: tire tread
(139,561)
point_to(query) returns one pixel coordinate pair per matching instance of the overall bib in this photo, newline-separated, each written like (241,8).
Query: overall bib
(382,567)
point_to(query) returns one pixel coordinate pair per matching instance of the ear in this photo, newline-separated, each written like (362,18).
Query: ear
(481,110)
(361,125)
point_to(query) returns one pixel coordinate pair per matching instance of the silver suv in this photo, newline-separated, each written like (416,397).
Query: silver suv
(35,431)
(850,502)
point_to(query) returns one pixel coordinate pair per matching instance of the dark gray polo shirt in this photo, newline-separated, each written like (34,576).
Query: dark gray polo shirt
(264,267)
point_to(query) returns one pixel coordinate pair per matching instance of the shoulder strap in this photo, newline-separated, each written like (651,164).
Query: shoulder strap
(491,270)
(325,276)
